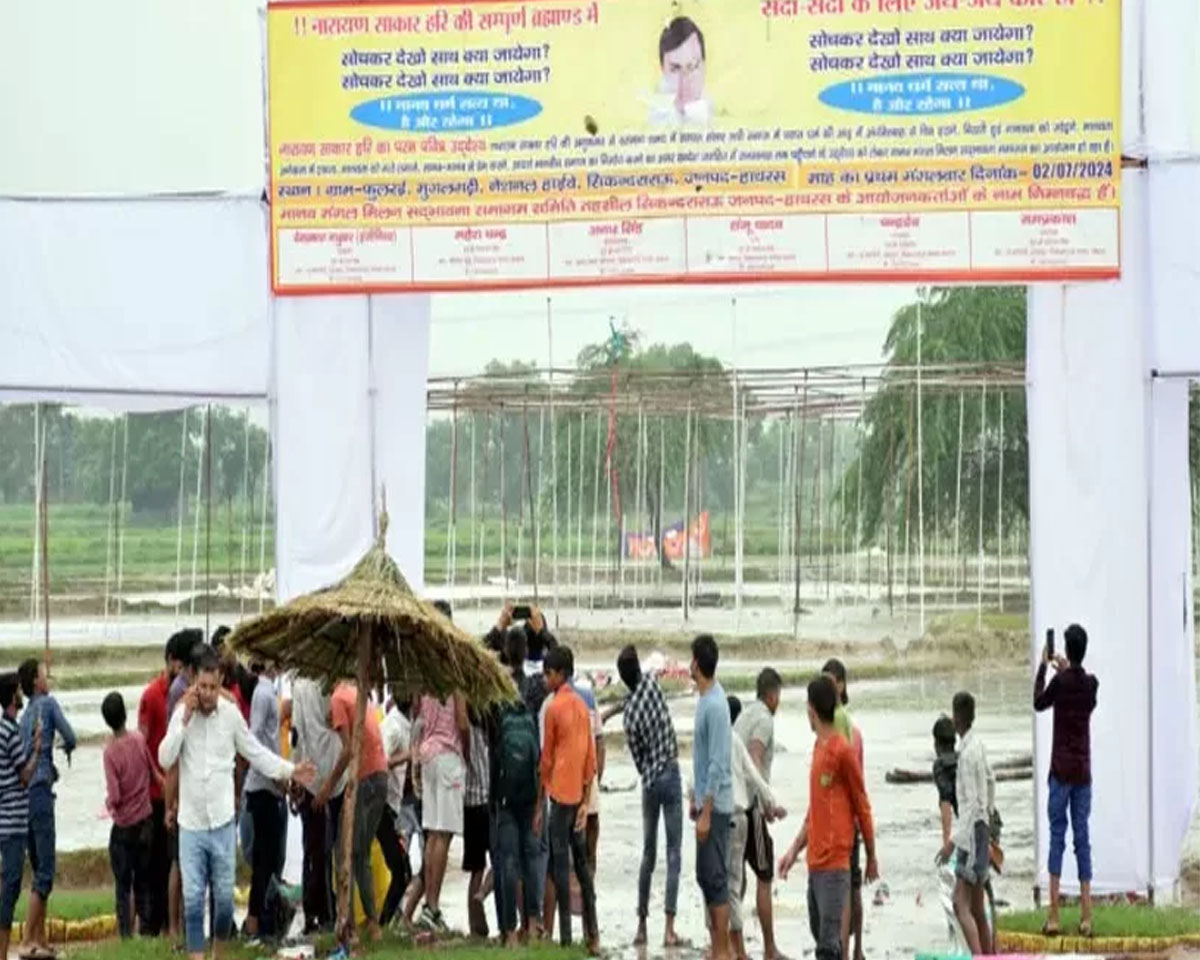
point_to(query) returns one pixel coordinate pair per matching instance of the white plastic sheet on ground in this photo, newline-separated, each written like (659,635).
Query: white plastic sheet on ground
(100,301)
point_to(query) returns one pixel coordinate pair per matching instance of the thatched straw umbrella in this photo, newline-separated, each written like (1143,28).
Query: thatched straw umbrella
(369,623)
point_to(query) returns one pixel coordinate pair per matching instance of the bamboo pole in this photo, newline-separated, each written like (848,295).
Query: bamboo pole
(920,475)
(596,508)
(345,905)
(474,499)
(34,593)
(1000,512)
(662,499)
(44,537)
(452,496)
(110,548)
(245,514)
(208,485)
(121,524)
(798,498)
(262,535)
(535,506)
(196,521)
(982,489)
(579,515)
(687,491)
(958,559)
(570,461)
(858,526)
(503,503)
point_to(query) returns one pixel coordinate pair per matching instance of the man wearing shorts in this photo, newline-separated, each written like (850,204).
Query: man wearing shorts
(444,729)
(756,729)
(976,787)
(712,802)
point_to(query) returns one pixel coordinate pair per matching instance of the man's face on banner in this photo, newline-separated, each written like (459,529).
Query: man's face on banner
(683,70)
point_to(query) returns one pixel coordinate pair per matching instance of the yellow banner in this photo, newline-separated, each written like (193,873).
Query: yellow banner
(491,144)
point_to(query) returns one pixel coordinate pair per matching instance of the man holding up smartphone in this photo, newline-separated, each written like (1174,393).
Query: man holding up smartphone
(1072,694)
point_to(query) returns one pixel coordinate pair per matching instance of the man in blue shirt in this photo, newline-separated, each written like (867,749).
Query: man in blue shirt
(43,708)
(712,801)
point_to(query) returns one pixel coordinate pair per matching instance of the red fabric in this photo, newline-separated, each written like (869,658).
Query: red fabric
(242,703)
(127,766)
(152,722)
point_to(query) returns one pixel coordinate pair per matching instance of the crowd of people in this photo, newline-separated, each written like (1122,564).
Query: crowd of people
(204,771)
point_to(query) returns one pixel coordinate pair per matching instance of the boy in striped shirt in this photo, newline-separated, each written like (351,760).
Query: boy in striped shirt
(16,770)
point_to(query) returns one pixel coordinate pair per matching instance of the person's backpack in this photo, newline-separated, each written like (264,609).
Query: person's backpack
(520,754)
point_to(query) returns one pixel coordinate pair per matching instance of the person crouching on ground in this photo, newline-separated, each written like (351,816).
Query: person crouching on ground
(568,765)
(1071,693)
(971,842)
(204,736)
(837,803)
(128,773)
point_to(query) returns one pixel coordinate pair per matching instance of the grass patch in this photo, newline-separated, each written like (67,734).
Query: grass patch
(389,949)
(73,904)
(103,680)
(1120,920)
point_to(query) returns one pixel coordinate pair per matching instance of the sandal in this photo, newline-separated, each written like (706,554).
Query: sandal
(1050,931)
(1085,929)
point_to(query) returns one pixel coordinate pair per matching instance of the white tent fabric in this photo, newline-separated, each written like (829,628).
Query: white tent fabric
(101,300)
(132,98)
(349,421)
(1108,550)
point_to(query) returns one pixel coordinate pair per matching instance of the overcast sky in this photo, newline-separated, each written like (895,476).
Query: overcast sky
(777,326)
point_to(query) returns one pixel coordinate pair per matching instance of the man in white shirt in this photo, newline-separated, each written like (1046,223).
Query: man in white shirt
(751,791)
(204,736)
(971,841)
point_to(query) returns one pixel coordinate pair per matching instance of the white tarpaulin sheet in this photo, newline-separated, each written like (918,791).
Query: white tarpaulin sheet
(1102,557)
(132,98)
(344,431)
(99,300)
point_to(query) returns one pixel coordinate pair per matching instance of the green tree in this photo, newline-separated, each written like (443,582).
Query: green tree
(981,325)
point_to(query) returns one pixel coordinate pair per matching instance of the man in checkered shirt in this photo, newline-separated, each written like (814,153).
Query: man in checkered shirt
(651,737)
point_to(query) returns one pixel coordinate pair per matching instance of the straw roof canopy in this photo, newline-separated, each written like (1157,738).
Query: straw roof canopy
(318,636)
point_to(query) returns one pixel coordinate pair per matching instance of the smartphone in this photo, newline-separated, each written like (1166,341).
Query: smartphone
(1050,642)
(522,611)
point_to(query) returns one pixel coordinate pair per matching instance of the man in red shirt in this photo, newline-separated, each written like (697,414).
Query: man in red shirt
(152,722)
(837,802)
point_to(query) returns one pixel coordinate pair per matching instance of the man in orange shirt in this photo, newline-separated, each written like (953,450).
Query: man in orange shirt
(568,766)
(837,801)
(371,801)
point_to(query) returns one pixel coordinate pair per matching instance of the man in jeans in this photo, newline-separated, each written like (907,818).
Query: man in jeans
(206,733)
(712,777)
(17,767)
(1071,693)
(837,804)
(567,767)
(41,708)
(650,734)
